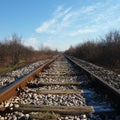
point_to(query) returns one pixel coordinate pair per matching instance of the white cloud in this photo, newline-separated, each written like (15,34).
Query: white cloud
(88,9)
(80,22)
(83,31)
(64,18)
(56,44)
(44,27)
(53,24)
(33,42)
(59,8)
(60,13)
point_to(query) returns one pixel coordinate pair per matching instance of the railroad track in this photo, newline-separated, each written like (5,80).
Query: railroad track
(108,80)
(57,93)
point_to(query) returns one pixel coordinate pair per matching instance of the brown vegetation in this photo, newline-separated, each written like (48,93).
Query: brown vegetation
(105,52)
(13,52)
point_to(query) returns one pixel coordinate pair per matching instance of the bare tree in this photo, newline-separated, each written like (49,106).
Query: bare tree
(15,48)
(105,52)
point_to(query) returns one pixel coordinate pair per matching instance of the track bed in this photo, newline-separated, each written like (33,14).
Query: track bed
(60,92)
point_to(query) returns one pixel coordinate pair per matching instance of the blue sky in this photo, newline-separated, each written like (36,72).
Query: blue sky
(58,23)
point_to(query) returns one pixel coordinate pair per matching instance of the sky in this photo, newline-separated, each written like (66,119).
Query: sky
(58,24)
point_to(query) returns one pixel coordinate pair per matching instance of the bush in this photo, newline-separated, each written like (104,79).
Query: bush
(105,52)
(12,52)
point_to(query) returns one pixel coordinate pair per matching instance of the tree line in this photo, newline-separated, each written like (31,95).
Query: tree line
(105,51)
(12,52)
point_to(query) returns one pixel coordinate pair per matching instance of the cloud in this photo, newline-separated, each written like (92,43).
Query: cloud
(32,42)
(59,8)
(88,21)
(88,9)
(51,25)
(64,18)
(56,44)
(44,27)
(83,31)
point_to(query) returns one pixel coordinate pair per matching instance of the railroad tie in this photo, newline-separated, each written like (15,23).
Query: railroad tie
(65,110)
(2,109)
(61,74)
(59,83)
(59,91)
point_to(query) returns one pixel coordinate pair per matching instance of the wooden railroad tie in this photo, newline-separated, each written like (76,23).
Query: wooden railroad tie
(53,83)
(59,91)
(59,83)
(61,74)
(65,110)
(2,108)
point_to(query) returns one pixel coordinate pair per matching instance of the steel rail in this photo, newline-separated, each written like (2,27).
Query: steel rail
(110,90)
(11,90)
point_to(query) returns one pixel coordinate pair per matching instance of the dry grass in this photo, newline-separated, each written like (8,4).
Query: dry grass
(4,69)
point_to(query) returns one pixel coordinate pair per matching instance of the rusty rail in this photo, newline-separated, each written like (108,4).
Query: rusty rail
(11,90)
